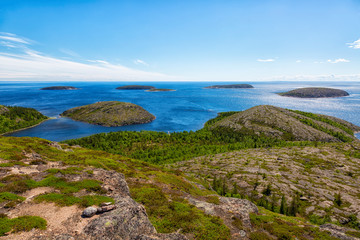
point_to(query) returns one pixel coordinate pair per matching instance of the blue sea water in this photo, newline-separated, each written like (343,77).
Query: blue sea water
(185,109)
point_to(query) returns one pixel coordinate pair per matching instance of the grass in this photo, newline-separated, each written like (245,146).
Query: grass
(169,216)
(69,200)
(20,224)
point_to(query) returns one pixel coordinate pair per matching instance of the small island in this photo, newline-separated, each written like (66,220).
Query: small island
(110,114)
(59,88)
(160,90)
(135,87)
(231,86)
(315,92)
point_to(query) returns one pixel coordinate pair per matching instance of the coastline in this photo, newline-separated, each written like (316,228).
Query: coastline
(20,129)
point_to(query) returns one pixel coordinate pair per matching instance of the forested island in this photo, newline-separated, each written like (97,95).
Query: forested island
(59,88)
(135,87)
(110,114)
(315,92)
(231,86)
(14,118)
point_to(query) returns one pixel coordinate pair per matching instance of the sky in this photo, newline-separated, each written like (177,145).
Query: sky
(179,40)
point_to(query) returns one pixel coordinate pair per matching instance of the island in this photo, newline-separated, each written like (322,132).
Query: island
(135,87)
(110,114)
(160,90)
(231,86)
(59,88)
(315,92)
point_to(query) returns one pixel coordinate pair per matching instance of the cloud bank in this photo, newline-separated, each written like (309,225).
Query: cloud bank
(27,64)
(339,60)
(355,44)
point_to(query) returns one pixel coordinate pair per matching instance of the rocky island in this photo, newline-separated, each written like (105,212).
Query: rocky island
(231,86)
(135,87)
(160,90)
(59,88)
(315,92)
(110,114)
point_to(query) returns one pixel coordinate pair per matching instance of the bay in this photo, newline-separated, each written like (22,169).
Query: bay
(186,109)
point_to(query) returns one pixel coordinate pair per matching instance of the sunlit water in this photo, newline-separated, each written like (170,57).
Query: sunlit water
(187,108)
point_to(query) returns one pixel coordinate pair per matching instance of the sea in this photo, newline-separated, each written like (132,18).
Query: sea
(186,109)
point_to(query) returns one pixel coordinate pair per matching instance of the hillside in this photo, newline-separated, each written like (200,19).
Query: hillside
(319,183)
(315,93)
(13,118)
(46,186)
(286,124)
(110,114)
(232,86)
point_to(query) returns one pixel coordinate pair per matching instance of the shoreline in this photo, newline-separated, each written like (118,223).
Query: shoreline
(21,129)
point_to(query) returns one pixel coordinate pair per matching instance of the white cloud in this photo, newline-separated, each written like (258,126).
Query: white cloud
(298,61)
(139,61)
(355,44)
(266,60)
(339,60)
(27,64)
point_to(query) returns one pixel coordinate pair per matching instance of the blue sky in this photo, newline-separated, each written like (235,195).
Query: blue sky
(197,40)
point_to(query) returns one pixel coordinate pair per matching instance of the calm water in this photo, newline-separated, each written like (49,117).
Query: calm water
(188,108)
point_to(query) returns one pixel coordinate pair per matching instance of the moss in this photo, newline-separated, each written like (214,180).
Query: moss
(23,223)
(69,170)
(213,199)
(169,216)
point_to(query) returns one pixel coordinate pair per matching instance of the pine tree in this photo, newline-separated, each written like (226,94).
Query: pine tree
(283,206)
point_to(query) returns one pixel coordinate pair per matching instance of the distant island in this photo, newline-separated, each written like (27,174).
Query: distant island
(315,92)
(135,87)
(59,88)
(232,86)
(160,90)
(110,114)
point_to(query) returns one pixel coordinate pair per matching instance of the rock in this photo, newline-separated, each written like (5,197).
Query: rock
(106,208)
(55,145)
(89,212)
(105,204)
(337,231)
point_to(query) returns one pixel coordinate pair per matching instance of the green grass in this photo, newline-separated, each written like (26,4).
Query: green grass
(69,200)
(169,216)
(69,170)
(20,224)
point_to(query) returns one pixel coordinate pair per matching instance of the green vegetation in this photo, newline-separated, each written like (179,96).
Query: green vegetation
(69,199)
(169,216)
(15,118)
(284,227)
(315,92)
(110,114)
(19,224)
(161,148)
(22,183)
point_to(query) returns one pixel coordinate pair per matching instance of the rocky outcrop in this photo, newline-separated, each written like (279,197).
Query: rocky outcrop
(315,92)
(59,88)
(232,86)
(3,109)
(110,114)
(286,124)
(337,231)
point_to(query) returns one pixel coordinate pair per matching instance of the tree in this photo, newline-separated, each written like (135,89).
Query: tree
(338,200)
(283,206)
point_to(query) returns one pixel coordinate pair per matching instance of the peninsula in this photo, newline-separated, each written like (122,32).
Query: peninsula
(59,88)
(232,86)
(315,92)
(110,114)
